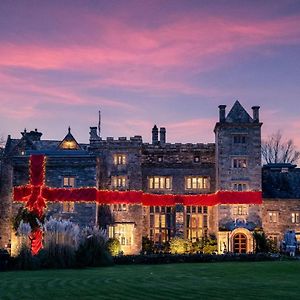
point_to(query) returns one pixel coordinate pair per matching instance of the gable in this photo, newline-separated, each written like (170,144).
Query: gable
(238,114)
(69,142)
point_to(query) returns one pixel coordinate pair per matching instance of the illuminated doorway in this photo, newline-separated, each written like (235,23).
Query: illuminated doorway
(240,243)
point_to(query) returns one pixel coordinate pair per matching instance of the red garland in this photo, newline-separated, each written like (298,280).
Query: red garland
(36,238)
(36,194)
(32,194)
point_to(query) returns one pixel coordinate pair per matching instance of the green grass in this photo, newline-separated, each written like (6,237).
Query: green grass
(259,280)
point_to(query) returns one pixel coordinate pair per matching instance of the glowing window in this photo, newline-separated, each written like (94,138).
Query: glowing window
(68,182)
(123,232)
(240,210)
(159,182)
(239,163)
(295,218)
(118,182)
(273,216)
(120,159)
(196,183)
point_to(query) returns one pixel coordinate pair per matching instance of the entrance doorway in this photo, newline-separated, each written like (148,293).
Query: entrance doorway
(240,243)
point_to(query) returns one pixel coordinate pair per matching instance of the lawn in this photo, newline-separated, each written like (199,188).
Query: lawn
(259,280)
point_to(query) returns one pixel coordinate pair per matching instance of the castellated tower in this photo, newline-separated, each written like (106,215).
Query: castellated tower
(238,168)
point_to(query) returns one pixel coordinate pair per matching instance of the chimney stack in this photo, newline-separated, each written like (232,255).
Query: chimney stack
(155,135)
(255,113)
(222,113)
(94,134)
(162,134)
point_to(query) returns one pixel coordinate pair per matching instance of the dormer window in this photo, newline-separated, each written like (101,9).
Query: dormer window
(69,142)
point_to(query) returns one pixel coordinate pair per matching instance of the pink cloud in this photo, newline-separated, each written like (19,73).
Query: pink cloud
(185,42)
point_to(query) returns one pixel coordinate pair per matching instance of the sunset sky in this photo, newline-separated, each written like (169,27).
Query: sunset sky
(169,63)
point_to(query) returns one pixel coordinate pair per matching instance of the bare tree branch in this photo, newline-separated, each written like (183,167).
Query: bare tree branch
(277,150)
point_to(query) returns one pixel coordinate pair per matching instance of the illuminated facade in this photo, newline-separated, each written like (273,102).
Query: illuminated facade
(232,163)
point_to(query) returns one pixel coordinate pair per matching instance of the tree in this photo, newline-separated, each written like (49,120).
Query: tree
(275,149)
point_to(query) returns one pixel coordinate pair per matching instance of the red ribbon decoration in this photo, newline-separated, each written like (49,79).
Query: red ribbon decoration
(36,194)
(32,194)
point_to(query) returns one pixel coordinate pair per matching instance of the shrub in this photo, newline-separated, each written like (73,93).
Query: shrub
(264,244)
(92,251)
(60,244)
(113,246)
(25,260)
(147,245)
(4,260)
(210,245)
(180,245)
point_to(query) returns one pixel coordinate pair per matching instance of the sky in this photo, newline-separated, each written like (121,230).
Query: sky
(165,62)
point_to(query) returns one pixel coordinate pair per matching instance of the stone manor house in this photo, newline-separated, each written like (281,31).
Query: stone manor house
(232,163)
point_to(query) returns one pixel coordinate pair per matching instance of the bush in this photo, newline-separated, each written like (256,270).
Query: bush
(92,251)
(264,244)
(210,245)
(60,244)
(113,246)
(4,259)
(147,245)
(25,260)
(180,245)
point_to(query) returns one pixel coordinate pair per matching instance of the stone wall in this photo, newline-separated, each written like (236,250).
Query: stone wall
(283,209)
(5,204)
(179,161)
(112,215)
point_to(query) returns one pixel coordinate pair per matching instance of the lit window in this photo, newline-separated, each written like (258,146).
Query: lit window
(239,163)
(119,207)
(240,187)
(68,182)
(295,218)
(160,159)
(118,182)
(120,159)
(273,217)
(239,139)
(196,183)
(122,232)
(69,145)
(240,210)
(195,222)
(161,223)
(159,182)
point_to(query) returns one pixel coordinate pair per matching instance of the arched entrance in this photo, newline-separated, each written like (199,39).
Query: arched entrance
(240,243)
